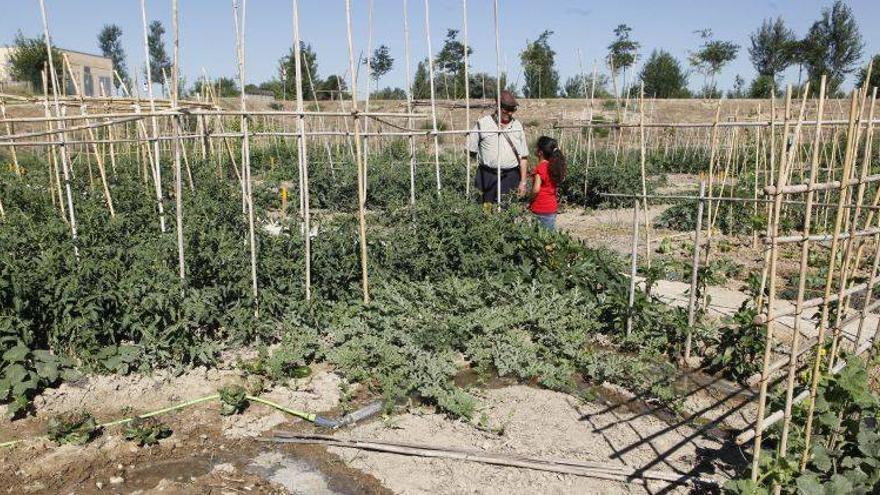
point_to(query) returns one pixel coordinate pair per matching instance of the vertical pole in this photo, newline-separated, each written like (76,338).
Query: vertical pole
(467,101)
(367,94)
(433,101)
(409,100)
(642,171)
(770,269)
(53,77)
(713,151)
(695,267)
(823,317)
(362,223)
(246,150)
(633,268)
(156,166)
(497,102)
(804,265)
(178,190)
(303,149)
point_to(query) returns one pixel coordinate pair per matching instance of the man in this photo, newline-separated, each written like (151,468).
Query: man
(506,151)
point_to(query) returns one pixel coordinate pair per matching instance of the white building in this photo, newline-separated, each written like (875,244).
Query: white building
(92,74)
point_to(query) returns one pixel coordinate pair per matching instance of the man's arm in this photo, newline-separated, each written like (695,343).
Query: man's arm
(523,172)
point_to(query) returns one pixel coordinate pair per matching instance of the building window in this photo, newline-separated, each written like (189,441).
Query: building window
(106,86)
(88,82)
(70,88)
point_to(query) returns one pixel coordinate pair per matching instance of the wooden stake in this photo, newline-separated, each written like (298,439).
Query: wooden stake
(633,268)
(409,100)
(156,166)
(695,267)
(823,319)
(433,101)
(302,154)
(62,148)
(804,266)
(362,223)
(246,150)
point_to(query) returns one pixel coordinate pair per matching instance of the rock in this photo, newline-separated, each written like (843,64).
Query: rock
(99,485)
(225,467)
(117,480)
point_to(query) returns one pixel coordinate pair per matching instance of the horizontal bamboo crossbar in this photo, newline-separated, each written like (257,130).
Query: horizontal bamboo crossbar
(789,239)
(697,125)
(820,186)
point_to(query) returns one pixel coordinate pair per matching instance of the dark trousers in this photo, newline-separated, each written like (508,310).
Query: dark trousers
(487,182)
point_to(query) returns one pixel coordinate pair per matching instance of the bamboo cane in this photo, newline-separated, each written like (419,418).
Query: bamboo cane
(433,101)
(804,266)
(156,165)
(409,102)
(774,228)
(823,319)
(301,155)
(245,149)
(362,225)
(62,148)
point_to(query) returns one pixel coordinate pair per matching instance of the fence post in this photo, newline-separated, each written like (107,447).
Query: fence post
(633,268)
(695,268)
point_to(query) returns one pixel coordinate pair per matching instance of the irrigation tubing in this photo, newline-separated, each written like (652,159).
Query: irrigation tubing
(310,417)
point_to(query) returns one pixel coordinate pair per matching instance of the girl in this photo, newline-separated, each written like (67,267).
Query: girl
(549,173)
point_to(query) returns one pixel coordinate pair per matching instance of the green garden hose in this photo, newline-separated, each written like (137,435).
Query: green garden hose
(310,417)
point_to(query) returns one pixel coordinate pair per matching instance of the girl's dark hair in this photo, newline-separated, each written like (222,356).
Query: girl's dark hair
(550,149)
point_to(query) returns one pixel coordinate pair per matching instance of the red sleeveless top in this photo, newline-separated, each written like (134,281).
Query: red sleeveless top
(545,201)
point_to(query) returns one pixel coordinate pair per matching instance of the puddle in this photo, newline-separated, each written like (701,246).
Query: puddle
(296,475)
(470,378)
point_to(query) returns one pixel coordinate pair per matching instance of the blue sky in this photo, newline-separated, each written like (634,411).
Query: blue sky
(207,40)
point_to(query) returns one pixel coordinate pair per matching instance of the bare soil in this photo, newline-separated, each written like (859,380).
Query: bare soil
(210,453)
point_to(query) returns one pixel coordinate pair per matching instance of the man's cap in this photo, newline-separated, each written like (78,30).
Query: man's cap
(508,102)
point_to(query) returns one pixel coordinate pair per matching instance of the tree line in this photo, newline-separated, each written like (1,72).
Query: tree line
(832,46)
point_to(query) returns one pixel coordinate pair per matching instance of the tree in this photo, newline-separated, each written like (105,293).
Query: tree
(663,77)
(449,66)
(739,88)
(225,87)
(484,86)
(309,67)
(875,74)
(380,63)
(389,94)
(762,87)
(331,88)
(772,49)
(159,62)
(110,43)
(421,85)
(539,68)
(711,57)
(833,47)
(580,86)
(623,51)
(28,58)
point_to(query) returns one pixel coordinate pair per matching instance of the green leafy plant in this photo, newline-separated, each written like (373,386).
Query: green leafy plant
(740,345)
(74,428)
(844,454)
(233,399)
(145,432)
